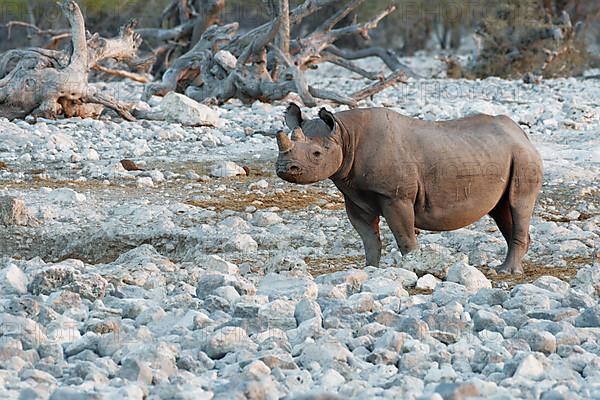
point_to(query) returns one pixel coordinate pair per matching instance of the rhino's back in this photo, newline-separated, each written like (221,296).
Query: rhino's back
(387,137)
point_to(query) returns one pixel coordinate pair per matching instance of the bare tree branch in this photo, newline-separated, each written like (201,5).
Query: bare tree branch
(43,83)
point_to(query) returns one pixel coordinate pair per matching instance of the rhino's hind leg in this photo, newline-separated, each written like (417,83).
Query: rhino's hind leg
(367,226)
(502,215)
(519,242)
(522,195)
(400,217)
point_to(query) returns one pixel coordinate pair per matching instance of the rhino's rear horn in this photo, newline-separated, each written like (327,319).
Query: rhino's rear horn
(284,142)
(298,135)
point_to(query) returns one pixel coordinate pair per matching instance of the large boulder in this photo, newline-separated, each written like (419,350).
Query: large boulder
(227,340)
(468,276)
(276,286)
(178,108)
(14,212)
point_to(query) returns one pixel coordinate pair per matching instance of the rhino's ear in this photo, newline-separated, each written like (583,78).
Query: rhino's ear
(327,117)
(293,116)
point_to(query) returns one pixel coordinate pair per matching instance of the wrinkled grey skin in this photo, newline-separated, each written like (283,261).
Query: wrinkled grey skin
(436,176)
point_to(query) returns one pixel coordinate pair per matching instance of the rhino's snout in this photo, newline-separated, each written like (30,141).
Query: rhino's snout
(289,171)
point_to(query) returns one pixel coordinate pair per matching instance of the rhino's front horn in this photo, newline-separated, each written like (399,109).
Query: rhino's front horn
(284,142)
(298,135)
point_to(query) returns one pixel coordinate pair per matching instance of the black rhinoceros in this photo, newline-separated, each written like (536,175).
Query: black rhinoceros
(436,176)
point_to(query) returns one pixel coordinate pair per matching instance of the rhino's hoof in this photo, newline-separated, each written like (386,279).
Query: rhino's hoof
(510,269)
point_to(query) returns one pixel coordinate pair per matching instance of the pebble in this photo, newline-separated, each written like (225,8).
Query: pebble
(135,370)
(427,282)
(589,318)
(145,181)
(66,196)
(14,281)
(227,169)
(542,341)
(468,276)
(530,368)
(264,219)
(227,340)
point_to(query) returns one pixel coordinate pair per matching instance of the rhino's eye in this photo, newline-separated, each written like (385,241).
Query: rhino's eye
(317,153)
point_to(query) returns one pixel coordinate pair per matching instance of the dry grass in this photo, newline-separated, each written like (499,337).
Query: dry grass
(238,198)
(415,291)
(38,182)
(532,272)
(262,169)
(329,265)
(290,201)
(555,217)
(564,199)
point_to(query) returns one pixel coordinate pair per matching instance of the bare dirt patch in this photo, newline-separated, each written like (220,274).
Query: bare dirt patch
(329,265)
(290,201)
(238,198)
(556,202)
(415,291)
(322,266)
(532,272)
(39,182)
(262,169)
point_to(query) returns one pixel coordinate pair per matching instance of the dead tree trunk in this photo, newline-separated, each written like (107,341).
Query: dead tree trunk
(182,24)
(49,83)
(207,14)
(267,64)
(281,10)
(282,40)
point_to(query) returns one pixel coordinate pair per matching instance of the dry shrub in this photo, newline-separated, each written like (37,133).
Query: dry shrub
(522,39)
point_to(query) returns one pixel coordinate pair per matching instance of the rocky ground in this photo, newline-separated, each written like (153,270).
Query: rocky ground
(202,275)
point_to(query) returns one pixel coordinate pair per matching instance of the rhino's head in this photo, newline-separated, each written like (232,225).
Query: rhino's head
(313,153)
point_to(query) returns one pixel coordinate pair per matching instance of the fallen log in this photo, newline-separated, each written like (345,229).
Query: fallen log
(267,64)
(49,83)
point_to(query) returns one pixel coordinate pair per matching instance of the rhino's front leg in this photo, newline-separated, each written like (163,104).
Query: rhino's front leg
(367,226)
(400,217)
